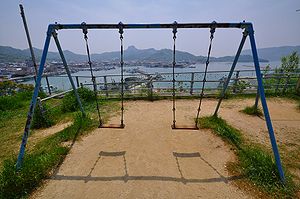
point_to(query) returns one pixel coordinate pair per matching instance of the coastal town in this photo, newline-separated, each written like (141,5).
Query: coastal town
(23,69)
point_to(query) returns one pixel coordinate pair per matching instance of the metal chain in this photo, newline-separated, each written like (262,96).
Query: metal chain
(85,31)
(174,64)
(122,74)
(212,31)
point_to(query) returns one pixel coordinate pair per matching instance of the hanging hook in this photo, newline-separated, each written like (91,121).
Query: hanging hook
(174,29)
(213,29)
(84,29)
(121,31)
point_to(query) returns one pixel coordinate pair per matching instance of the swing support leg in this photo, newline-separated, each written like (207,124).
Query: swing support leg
(264,104)
(236,58)
(54,34)
(33,100)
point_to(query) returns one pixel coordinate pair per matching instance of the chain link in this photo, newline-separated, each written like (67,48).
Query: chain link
(174,64)
(85,32)
(212,31)
(121,31)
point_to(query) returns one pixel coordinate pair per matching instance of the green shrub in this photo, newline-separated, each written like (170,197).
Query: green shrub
(7,88)
(240,86)
(11,88)
(42,118)
(14,96)
(25,88)
(85,94)
(69,102)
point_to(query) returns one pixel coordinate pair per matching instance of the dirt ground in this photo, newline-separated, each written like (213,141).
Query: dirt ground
(148,159)
(39,134)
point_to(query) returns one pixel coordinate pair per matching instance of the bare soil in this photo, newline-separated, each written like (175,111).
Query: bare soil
(50,131)
(43,133)
(148,159)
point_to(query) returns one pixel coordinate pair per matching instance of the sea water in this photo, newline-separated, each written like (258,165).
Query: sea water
(62,83)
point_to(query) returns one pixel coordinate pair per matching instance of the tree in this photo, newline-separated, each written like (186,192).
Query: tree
(290,64)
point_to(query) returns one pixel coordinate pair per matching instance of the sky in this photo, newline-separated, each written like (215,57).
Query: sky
(276,23)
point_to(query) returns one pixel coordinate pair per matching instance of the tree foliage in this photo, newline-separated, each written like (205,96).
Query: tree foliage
(290,63)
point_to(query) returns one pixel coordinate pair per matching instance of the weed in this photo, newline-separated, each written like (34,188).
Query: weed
(226,95)
(252,110)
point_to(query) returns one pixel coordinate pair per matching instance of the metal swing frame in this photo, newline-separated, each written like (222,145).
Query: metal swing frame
(248,31)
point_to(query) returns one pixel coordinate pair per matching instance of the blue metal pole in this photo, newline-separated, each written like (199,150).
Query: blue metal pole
(61,53)
(236,58)
(152,26)
(34,99)
(264,104)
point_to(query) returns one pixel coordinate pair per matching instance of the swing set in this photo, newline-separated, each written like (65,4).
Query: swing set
(247,31)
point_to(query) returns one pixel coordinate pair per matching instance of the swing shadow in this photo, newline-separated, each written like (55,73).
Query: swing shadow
(126,177)
(196,155)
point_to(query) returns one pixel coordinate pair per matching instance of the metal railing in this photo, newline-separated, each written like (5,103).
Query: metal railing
(160,84)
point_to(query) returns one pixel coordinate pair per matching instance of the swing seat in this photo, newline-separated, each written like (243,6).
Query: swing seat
(112,126)
(184,127)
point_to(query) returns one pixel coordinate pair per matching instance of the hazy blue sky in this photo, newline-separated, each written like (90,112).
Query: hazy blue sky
(276,23)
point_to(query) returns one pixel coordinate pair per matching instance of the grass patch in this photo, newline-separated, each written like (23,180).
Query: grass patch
(252,110)
(13,118)
(39,163)
(14,102)
(49,152)
(255,163)
(221,128)
(259,166)
(226,95)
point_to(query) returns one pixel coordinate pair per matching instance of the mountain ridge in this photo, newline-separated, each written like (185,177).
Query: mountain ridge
(10,54)
(273,53)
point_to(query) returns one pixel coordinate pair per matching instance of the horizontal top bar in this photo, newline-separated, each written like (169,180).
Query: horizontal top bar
(152,26)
